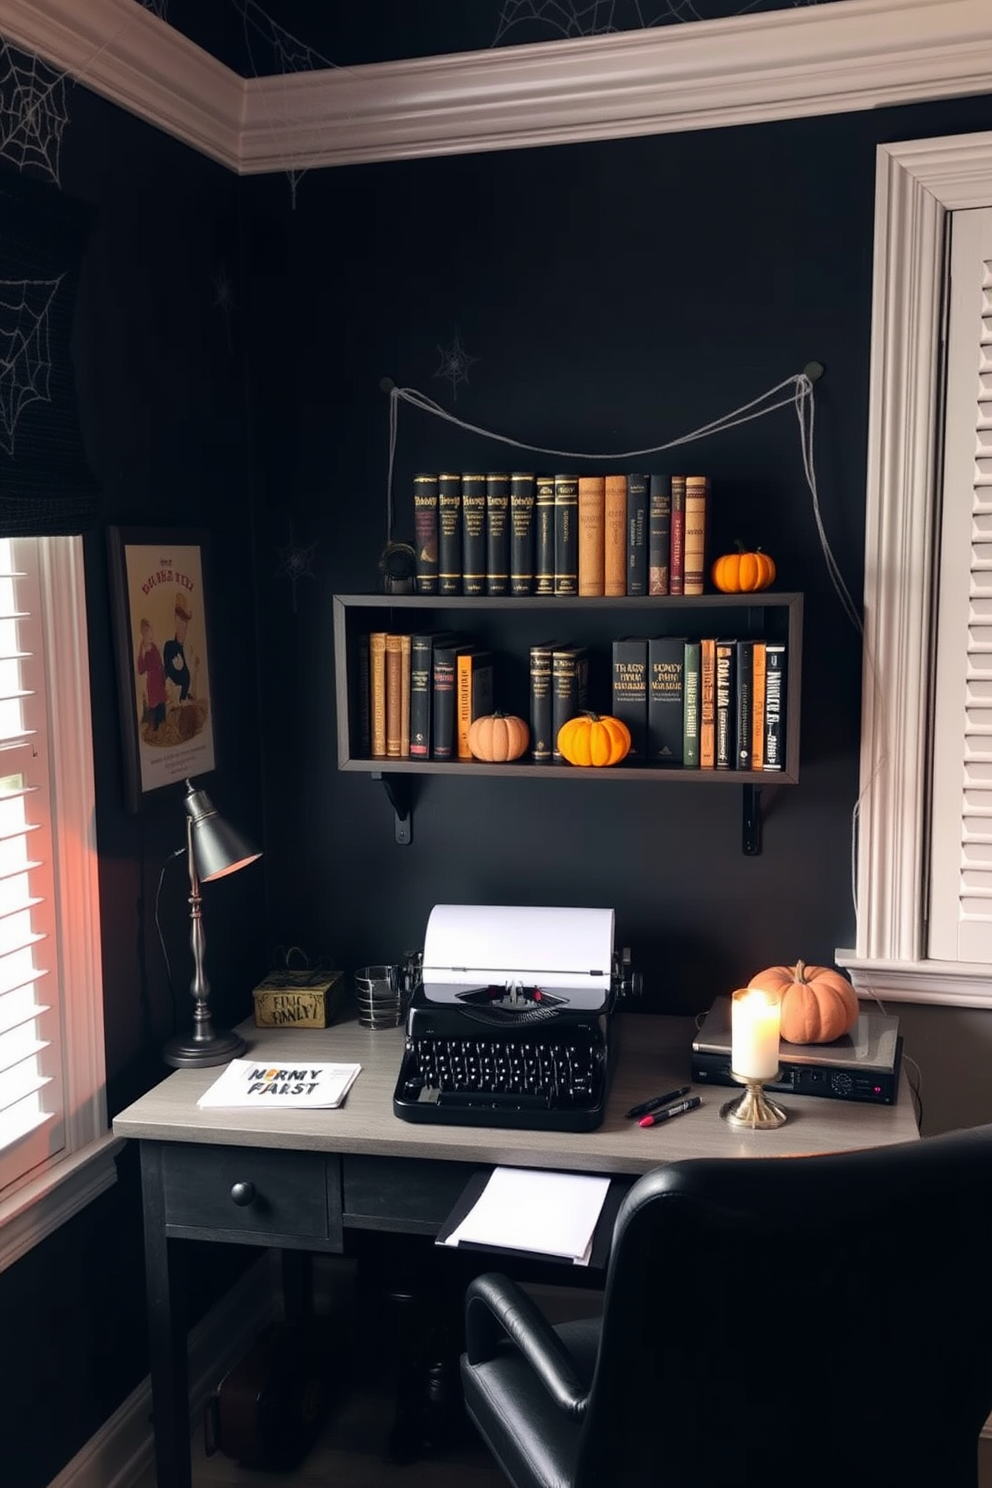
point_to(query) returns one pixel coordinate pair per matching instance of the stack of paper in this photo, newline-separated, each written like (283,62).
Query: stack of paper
(529,1209)
(248,1082)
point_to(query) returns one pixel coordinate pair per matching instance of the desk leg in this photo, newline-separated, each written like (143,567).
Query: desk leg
(297,1285)
(165,1283)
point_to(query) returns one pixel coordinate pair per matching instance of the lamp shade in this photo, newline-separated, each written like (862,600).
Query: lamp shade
(218,848)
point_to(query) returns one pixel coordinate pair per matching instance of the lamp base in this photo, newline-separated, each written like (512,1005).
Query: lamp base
(190,1053)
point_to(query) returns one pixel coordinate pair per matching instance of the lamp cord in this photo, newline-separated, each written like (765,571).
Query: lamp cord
(161,938)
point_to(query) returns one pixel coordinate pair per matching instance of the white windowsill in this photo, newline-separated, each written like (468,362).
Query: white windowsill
(959,984)
(40,1206)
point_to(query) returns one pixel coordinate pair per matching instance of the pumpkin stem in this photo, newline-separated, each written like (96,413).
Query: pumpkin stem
(588,713)
(799,975)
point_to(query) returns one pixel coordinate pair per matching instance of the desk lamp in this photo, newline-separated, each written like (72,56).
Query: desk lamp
(213,849)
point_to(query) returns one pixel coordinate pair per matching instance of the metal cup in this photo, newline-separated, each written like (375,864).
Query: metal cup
(380,999)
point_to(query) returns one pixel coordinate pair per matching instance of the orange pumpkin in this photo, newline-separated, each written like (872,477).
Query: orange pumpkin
(742,572)
(818,1004)
(594,739)
(497,737)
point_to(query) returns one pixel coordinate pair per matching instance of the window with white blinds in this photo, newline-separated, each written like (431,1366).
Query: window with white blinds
(923,894)
(31,1086)
(960,916)
(55,1150)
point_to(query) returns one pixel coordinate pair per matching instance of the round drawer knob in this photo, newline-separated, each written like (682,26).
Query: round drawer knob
(243,1194)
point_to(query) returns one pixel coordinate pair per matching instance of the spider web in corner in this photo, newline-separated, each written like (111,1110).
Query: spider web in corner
(45,483)
(33,112)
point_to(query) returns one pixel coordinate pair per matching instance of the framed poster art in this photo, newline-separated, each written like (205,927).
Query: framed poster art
(161,612)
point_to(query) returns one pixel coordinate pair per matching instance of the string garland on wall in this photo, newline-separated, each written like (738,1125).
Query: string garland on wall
(795,391)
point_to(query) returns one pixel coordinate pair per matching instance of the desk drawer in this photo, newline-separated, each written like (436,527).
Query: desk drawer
(393,1193)
(259,1196)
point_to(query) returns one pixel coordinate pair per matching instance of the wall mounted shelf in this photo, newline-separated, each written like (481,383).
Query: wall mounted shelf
(509,626)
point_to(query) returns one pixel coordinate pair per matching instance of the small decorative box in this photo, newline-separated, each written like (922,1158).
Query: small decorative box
(298,999)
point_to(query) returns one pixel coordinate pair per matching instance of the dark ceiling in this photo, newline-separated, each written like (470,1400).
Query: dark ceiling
(257,40)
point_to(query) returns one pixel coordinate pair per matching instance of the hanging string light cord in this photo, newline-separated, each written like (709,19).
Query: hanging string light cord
(796,390)
(805,415)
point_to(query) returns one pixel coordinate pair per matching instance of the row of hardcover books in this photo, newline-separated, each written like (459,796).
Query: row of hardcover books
(692,704)
(708,704)
(585,535)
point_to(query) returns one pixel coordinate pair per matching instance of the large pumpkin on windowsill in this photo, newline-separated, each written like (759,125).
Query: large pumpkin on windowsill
(819,1005)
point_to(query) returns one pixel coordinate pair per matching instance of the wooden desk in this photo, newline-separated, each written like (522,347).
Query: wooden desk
(297,1180)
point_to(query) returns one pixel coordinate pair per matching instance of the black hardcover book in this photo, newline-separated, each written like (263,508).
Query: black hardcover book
(541,714)
(666,700)
(544,534)
(497,534)
(630,692)
(726,705)
(637,534)
(566,534)
(362,700)
(449,534)
(569,688)
(444,741)
(425,489)
(422,687)
(521,533)
(473,533)
(775,675)
(744,688)
(659,533)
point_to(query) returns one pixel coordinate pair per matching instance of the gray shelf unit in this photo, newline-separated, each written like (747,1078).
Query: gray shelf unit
(509,625)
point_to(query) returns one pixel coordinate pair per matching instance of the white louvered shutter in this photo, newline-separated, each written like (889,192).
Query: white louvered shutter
(32,1126)
(960,925)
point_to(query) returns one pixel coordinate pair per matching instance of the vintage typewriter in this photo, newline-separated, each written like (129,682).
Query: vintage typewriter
(510,1024)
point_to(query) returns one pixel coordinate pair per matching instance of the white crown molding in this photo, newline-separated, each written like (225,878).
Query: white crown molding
(812,59)
(125,53)
(815,59)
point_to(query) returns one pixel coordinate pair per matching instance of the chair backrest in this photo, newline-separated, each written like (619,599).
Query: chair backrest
(811,1321)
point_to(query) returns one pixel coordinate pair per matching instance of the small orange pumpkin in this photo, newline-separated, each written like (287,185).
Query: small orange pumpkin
(594,739)
(497,737)
(742,572)
(818,1004)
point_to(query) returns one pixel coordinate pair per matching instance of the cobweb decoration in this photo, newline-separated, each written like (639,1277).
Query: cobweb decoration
(157,7)
(33,112)
(25,354)
(454,364)
(600,17)
(295,562)
(281,48)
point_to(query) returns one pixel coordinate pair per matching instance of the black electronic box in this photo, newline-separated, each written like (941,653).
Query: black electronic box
(863,1065)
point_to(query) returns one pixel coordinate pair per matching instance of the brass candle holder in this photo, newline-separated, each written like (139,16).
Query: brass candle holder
(752,1108)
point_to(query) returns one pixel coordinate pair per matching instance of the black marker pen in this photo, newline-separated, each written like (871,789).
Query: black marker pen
(655,1118)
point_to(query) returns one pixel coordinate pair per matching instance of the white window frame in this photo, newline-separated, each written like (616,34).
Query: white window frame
(85,1166)
(917,184)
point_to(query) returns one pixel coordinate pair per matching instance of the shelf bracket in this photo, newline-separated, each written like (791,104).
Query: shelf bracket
(751,825)
(400,794)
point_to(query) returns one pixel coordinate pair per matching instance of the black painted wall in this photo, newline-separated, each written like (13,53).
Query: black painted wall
(159,376)
(614,296)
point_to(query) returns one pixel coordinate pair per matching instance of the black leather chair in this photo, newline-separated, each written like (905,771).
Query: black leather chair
(806,1321)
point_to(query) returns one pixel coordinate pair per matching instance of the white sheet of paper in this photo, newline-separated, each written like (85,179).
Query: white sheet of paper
(532,1209)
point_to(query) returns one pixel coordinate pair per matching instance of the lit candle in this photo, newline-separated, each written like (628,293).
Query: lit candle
(754,1030)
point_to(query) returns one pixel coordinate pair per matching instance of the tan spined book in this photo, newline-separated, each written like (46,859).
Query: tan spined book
(615,536)
(592,535)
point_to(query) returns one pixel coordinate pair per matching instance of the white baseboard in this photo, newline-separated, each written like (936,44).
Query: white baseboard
(120,1453)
